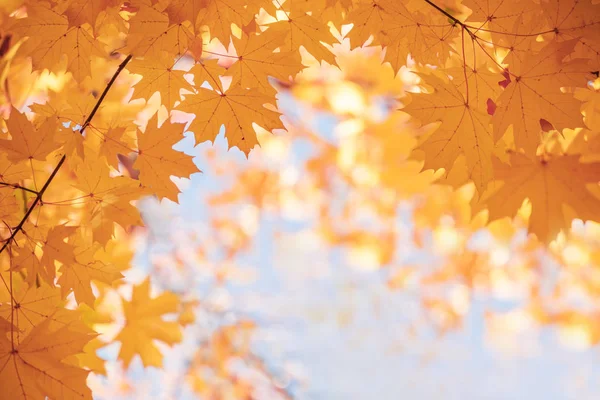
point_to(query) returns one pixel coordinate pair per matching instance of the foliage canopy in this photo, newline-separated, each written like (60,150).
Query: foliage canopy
(501,123)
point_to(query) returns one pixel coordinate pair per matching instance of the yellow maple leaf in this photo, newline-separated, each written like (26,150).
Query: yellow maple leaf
(29,142)
(237,108)
(463,129)
(80,12)
(34,369)
(150,33)
(157,161)
(302,29)
(50,38)
(158,75)
(42,239)
(425,36)
(144,324)
(550,183)
(257,60)
(218,15)
(84,267)
(30,305)
(534,93)
(108,198)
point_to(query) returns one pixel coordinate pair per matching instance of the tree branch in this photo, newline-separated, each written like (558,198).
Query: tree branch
(18,187)
(38,198)
(453,18)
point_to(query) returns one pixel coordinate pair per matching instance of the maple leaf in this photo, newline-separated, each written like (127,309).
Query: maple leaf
(463,130)
(302,29)
(42,239)
(109,199)
(80,12)
(29,142)
(144,324)
(10,175)
(113,144)
(10,171)
(158,75)
(65,107)
(34,368)
(41,19)
(9,207)
(505,64)
(549,182)
(257,60)
(574,19)
(237,109)
(180,11)
(218,15)
(534,93)
(501,16)
(426,37)
(78,274)
(157,161)
(30,305)
(150,33)
(51,39)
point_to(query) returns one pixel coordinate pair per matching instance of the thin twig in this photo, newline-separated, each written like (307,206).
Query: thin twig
(12,185)
(453,18)
(38,198)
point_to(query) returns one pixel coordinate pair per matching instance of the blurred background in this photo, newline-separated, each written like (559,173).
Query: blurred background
(325,266)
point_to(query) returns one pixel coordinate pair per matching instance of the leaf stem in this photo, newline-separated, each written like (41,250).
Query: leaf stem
(38,198)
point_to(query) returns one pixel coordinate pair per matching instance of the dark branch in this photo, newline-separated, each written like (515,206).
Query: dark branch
(38,198)
(18,187)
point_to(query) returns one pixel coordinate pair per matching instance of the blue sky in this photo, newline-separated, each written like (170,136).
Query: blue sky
(329,331)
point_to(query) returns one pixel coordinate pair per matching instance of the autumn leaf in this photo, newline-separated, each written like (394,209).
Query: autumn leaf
(237,109)
(32,304)
(218,15)
(29,142)
(426,37)
(534,93)
(108,199)
(51,39)
(150,33)
(39,358)
(84,268)
(144,324)
(302,29)
(463,130)
(157,161)
(502,115)
(113,144)
(159,75)
(80,12)
(257,60)
(550,183)
(8,205)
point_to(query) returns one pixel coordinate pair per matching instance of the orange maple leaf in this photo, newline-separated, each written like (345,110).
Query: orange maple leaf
(29,142)
(158,75)
(108,199)
(237,108)
(34,369)
(150,33)
(257,60)
(534,93)
(550,183)
(463,129)
(144,324)
(157,161)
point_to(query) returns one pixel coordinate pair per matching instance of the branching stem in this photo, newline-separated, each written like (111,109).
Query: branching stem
(38,197)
